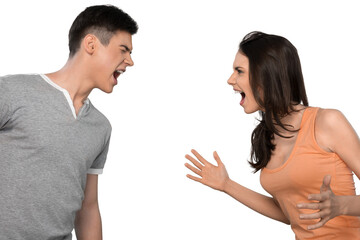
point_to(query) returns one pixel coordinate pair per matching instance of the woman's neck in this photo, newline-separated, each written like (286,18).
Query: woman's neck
(291,121)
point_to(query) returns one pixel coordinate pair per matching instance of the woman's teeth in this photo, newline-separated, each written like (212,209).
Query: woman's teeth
(240,92)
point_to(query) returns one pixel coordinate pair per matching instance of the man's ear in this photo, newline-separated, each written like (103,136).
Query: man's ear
(89,43)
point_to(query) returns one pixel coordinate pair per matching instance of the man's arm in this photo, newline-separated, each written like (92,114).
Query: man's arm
(88,219)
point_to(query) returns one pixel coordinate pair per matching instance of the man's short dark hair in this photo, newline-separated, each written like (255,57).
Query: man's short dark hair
(102,21)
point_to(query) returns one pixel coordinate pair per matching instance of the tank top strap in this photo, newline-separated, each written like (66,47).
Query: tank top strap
(307,127)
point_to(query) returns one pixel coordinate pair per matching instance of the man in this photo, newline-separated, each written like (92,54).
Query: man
(53,141)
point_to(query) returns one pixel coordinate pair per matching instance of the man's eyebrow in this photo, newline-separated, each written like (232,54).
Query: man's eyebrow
(126,47)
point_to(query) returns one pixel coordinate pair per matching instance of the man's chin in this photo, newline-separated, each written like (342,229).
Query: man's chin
(108,89)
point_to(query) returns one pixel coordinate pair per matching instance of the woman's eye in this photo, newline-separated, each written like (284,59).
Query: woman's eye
(239,71)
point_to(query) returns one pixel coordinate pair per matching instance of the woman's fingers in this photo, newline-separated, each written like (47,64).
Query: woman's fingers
(194,178)
(195,170)
(199,157)
(319,196)
(327,204)
(313,206)
(195,162)
(315,215)
(317,225)
(217,158)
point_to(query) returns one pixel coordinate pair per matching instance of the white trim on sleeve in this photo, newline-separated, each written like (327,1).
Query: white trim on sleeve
(95,171)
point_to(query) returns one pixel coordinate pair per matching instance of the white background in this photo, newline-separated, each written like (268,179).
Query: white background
(176,98)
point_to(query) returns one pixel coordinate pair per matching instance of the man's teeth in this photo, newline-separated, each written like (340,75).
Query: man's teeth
(119,71)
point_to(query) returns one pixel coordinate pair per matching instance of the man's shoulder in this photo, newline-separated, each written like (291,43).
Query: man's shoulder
(16,80)
(21,86)
(19,77)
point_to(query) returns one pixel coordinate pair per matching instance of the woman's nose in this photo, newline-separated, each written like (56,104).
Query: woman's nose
(231,80)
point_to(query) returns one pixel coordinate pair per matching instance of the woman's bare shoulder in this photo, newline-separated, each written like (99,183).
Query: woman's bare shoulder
(329,117)
(331,126)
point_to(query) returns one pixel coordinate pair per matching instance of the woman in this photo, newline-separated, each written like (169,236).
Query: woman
(306,155)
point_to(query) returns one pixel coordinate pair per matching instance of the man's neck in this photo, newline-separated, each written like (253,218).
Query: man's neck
(73,78)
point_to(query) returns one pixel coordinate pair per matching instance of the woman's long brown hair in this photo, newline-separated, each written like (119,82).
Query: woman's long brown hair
(277,83)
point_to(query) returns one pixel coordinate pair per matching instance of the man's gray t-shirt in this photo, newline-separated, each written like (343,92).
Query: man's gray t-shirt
(46,152)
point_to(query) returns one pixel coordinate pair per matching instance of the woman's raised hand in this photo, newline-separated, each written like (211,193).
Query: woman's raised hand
(207,173)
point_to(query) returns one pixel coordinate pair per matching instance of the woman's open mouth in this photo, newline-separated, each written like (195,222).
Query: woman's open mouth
(243,95)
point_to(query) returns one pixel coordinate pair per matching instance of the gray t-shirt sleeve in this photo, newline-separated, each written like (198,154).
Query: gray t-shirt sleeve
(99,163)
(5,109)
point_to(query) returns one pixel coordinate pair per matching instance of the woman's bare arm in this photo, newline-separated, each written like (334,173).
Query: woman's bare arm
(217,178)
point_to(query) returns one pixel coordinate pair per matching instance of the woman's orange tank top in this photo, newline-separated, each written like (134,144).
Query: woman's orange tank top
(302,174)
